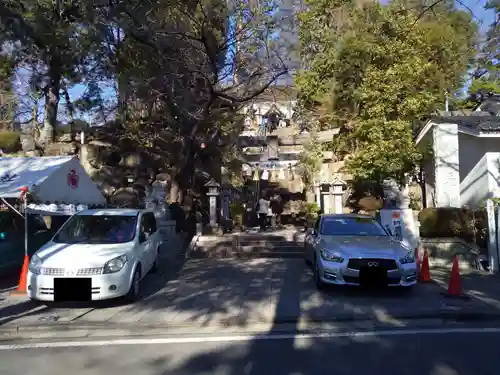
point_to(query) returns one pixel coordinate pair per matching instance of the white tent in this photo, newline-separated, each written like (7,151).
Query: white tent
(51,180)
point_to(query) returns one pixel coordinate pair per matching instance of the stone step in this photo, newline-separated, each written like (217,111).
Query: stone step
(297,238)
(270,243)
(228,253)
(252,247)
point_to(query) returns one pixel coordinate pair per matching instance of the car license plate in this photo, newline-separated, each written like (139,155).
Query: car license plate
(77,289)
(373,276)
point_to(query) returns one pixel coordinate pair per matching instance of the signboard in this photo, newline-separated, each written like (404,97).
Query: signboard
(401,224)
(274,165)
(492,237)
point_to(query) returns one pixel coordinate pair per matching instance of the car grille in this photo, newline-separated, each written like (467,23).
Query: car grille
(356,264)
(52,271)
(355,280)
(80,272)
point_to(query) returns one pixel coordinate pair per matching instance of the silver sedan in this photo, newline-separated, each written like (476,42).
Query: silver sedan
(351,249)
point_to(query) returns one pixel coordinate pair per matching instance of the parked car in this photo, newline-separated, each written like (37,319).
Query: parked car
(12,247)
(351,249)
(96,255)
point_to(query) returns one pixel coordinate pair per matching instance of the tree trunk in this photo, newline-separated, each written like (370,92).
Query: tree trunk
(52,97)
(121,80)
(122,97)
(71,112)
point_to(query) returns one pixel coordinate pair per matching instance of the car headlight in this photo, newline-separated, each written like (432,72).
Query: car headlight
(35,265)
(115,264)
(331,257)
(408,258)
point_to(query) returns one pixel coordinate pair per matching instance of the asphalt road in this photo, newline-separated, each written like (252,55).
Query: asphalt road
(429,351)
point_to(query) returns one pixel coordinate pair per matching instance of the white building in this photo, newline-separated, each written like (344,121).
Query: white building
(465,168)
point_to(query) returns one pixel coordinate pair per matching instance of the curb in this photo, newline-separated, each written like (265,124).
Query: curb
(464,315)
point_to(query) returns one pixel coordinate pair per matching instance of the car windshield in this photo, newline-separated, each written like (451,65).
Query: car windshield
(351,226)
(92,229)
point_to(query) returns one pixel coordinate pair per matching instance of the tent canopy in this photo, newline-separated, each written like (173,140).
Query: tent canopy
(51,179)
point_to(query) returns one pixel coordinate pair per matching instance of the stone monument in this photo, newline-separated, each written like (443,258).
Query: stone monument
(395,196)
(396,214)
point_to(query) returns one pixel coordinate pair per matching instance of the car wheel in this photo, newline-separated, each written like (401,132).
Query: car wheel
(135,287)
(317,279)
(156,264)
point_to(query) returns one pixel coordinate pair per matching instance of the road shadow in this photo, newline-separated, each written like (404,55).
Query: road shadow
(241,292)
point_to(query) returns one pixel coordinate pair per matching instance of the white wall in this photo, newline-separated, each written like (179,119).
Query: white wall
(494,174)
(479,169)
(446,159)
(475,186)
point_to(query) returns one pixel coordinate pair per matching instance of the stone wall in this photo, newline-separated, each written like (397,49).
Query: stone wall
(443,250)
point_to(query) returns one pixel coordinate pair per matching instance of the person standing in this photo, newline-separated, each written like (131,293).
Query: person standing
(277,207)
(263,209)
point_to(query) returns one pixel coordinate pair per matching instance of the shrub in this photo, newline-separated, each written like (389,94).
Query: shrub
(236,209)
(310,210)
(469,225)
(10,141)
(237,212)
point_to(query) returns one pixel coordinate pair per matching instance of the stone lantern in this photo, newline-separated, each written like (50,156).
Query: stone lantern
(213,193)
(324,189)
(337,191)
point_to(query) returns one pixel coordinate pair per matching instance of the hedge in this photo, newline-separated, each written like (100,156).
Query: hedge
(469,225)
(10,141)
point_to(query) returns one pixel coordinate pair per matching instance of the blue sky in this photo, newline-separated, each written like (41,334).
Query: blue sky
(482,15)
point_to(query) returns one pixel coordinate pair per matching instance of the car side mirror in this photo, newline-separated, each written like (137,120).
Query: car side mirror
(313,232)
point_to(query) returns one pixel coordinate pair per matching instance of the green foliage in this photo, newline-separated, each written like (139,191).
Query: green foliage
(485,85)
(310,210)
(237,211)
(8,101)
(469,225)
(377,73)
(415,202)
(310,160)
(10,141)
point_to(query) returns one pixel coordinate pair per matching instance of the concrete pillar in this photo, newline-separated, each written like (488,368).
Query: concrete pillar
(225,203)
(213,193)
(213,211)
(317,193)
(337,193)
(447,167)
(325,193)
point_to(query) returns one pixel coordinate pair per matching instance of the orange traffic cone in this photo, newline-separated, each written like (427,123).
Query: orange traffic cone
(21,288)
(425,274)
(455,284)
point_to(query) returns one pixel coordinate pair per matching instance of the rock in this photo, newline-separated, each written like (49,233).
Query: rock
(27,142)
(131,160)
(125,197)
(33,154)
